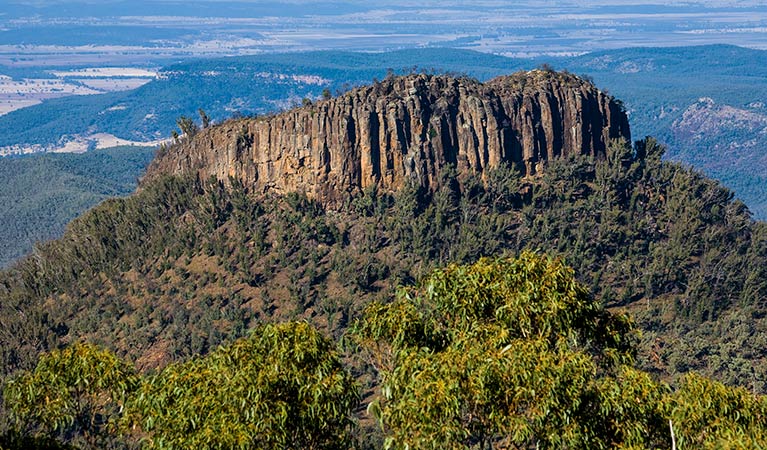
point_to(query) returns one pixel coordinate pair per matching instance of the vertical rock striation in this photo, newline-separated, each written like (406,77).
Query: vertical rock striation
(405,128)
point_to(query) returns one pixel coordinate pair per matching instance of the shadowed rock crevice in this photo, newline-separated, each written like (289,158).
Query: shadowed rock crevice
(406,128)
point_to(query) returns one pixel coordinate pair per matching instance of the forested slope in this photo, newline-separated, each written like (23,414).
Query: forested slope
(40,194)
(505,352)
(185,265)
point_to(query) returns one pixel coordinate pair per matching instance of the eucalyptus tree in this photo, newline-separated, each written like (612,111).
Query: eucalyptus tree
(505,353)
(75,395)
(283,387)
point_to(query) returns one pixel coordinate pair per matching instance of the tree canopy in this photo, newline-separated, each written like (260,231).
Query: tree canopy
(75,395)
(515,353)
(283,387)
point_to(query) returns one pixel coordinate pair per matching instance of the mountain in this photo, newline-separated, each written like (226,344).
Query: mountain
(405,129)
(661,89)
(191,261)
(219,239)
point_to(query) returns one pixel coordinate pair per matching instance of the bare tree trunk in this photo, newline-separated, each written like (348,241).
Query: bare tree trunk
(673,439)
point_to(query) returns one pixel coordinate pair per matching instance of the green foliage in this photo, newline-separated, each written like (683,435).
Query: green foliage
(14,441)
(40,194)
(75,394)
(204,118)
(501,352)
(187,126)
(629,409)
(282,387)
(530,297)
(708,414)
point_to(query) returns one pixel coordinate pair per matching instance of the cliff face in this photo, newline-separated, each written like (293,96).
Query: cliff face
(405,128)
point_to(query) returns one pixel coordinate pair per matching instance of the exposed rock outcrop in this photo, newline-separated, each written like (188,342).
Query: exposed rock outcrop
(405,128)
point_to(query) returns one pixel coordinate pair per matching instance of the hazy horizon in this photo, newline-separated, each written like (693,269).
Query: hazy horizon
(174,29)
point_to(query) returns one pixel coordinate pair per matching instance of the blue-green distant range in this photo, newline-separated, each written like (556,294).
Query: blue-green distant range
(224,87)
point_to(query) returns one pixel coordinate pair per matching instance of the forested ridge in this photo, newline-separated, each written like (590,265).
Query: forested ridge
(166,276)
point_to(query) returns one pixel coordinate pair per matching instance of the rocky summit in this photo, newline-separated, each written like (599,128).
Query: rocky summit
(405,128)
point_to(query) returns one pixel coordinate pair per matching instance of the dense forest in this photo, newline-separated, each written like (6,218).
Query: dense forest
(158,293)
(40,194)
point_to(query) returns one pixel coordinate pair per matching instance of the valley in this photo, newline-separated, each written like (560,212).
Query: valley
(20,93)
